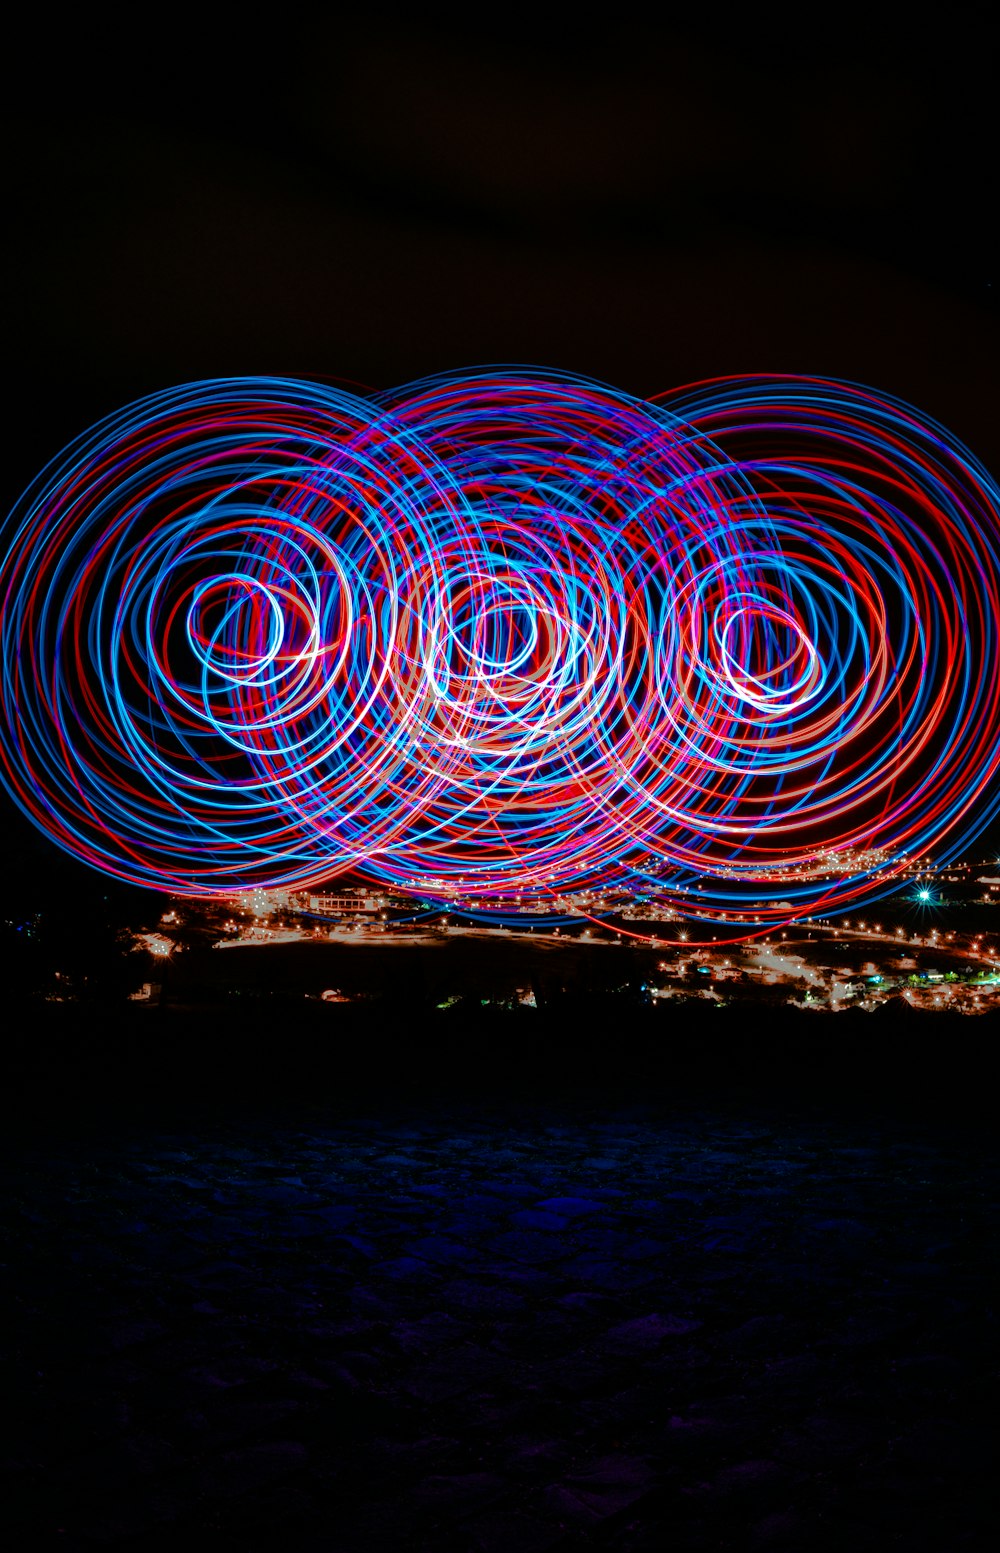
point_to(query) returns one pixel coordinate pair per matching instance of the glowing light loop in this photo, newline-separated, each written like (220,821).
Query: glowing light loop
(509,633)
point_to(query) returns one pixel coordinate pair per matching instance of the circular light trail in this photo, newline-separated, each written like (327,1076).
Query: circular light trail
(509,634)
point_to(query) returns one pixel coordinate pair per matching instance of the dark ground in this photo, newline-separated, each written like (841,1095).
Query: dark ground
(307,1285)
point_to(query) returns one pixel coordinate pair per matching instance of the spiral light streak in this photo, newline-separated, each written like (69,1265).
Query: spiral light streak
(509,633)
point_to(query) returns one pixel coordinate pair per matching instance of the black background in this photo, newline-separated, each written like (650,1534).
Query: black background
(374,202)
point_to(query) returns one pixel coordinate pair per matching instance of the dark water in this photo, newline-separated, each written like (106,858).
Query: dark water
(643,1309)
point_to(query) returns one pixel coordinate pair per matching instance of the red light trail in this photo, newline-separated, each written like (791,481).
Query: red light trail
(509,632)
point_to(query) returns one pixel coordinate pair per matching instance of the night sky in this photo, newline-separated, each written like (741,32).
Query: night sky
(375,204)
(372,204)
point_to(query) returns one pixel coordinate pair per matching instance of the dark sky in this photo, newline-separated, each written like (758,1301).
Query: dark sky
(373,202)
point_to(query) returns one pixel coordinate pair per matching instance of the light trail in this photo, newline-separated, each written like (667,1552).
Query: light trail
(510,633)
